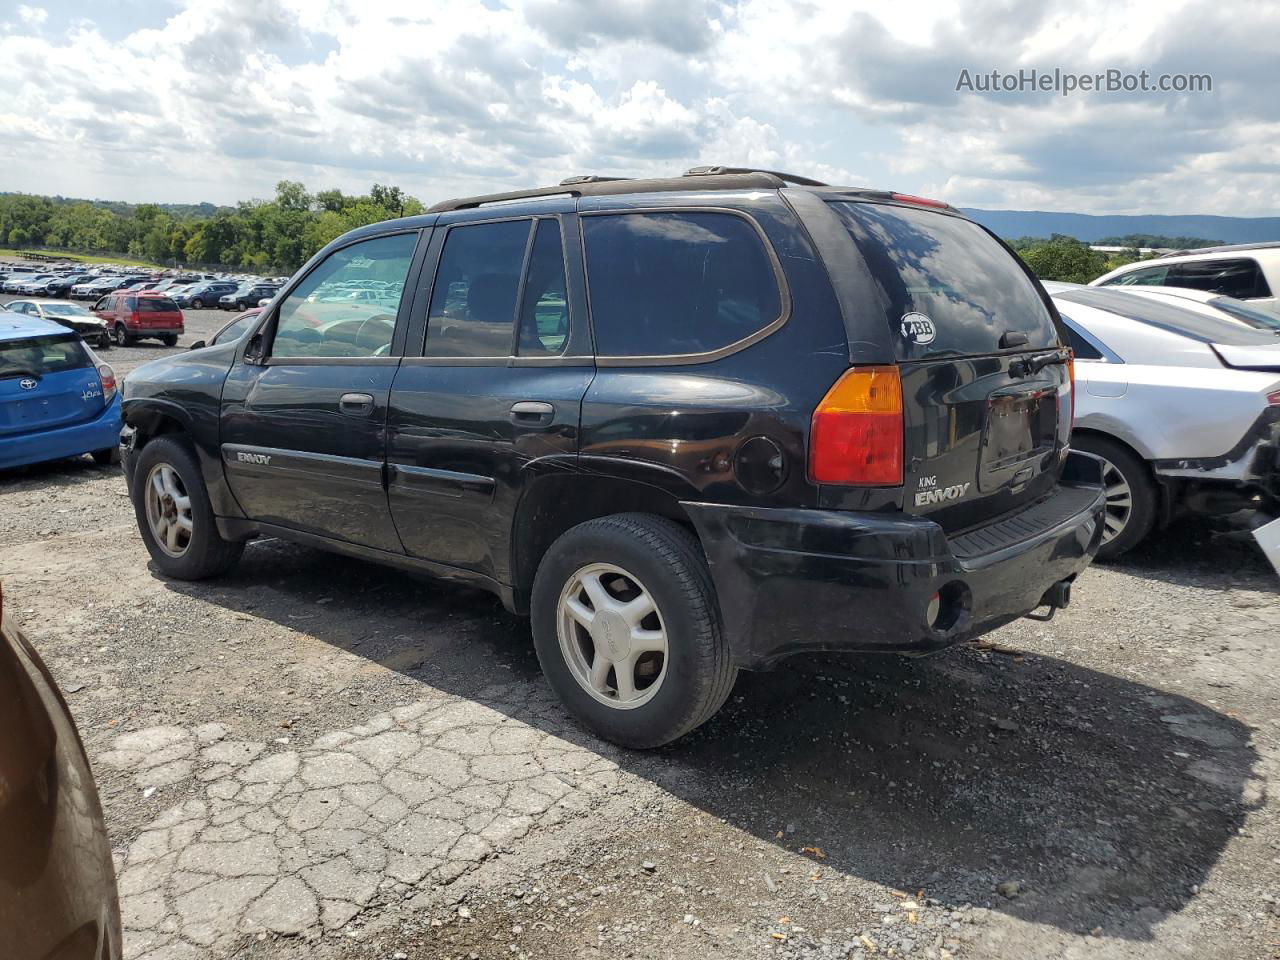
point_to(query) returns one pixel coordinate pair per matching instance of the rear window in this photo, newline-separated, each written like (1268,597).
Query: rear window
(677,283)
(37,356)
(945,284)
(1167,316)
(156,305)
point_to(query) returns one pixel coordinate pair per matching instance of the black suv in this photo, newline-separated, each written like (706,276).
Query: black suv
(688,425)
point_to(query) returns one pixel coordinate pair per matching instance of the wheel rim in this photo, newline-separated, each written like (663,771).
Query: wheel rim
(168,510)
(120,335)
(1119,501)
(612,636)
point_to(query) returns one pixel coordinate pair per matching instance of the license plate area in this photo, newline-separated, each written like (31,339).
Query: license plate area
(1020,430)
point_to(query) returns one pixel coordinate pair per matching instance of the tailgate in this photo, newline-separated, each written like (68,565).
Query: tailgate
(47,382)
(985,382)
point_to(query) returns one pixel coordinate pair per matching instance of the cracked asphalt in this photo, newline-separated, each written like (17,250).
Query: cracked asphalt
(316,757)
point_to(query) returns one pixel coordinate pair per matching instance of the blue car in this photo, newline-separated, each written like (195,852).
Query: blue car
(57,399)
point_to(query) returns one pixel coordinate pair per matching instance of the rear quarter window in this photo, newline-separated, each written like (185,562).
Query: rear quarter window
(1238,278)
(945,285)
(678,283)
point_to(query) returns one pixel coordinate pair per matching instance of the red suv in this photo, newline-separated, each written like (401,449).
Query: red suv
(131,315)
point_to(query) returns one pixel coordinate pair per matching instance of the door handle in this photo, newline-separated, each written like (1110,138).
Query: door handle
(532,412)
(356,404)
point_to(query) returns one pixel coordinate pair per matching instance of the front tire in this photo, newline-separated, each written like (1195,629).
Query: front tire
(197,304)
(627,629)
(1132,498)
(174,514)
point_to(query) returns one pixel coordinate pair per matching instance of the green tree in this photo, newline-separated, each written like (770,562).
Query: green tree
(1064,258)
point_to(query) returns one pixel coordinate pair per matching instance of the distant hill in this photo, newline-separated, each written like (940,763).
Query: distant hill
(1091,229)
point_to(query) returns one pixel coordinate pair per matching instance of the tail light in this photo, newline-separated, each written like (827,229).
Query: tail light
(1273,398)
(108,378)
(1071,373)
(856,435)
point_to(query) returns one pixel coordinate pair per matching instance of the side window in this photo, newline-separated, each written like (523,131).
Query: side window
(320,318)
(1082,348)
(1150,277)
(1232,278)
(676,283)
(107,303)
(544,308)
(473,300)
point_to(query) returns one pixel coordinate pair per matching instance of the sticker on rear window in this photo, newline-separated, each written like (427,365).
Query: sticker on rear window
(917,328)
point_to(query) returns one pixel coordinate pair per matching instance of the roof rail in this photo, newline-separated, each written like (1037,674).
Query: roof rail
(714,171)
(1224,248)
(602,186)
(588,178)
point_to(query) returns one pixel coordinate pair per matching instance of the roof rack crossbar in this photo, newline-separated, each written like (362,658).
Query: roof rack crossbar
(713,171)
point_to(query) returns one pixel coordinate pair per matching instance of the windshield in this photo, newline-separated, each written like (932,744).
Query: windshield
(1180,320)
(37,356)
(945,284)
(65,310)
(1255,317)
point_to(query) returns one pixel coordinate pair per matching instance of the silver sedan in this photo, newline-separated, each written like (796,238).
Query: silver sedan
(1182,401)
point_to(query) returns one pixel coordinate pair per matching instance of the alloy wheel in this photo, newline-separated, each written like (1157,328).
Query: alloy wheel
(1119,505)
(612,636)
(168,510)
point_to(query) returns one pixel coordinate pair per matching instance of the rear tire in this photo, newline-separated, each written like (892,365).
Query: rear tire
(632,557)
(169,339)
(195,554)
(1132,497)
(197,304)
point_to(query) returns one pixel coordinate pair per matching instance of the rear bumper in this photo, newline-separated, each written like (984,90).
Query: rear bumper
(793,580)
(153,331)
(101,433)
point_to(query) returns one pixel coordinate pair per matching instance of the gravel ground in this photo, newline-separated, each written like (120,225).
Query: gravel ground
(316,757)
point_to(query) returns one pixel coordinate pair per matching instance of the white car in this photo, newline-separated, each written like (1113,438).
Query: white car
(1182,405)
(1246,271)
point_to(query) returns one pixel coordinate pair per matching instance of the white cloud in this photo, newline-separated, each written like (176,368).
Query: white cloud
(223,97)
(32,16)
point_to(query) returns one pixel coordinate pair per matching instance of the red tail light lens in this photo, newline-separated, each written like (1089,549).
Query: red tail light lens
(108,378)
(856,435)
(1274,398)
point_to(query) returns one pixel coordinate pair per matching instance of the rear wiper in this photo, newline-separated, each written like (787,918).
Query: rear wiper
(1033,365)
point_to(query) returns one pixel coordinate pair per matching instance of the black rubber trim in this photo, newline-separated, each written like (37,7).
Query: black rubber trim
(1064,503)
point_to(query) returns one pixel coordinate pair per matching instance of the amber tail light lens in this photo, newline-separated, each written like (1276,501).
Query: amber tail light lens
(856,434)
(1071,372)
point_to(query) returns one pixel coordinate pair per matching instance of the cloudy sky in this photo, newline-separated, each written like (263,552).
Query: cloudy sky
(218,99)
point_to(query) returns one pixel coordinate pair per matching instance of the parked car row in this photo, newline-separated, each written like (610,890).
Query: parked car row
(197,291)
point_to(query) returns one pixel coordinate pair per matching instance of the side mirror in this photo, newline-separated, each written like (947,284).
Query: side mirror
(198,345)
(253,350)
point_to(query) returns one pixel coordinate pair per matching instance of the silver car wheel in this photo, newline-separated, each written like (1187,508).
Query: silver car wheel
(168,510)
(612,636)
(1119,501)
